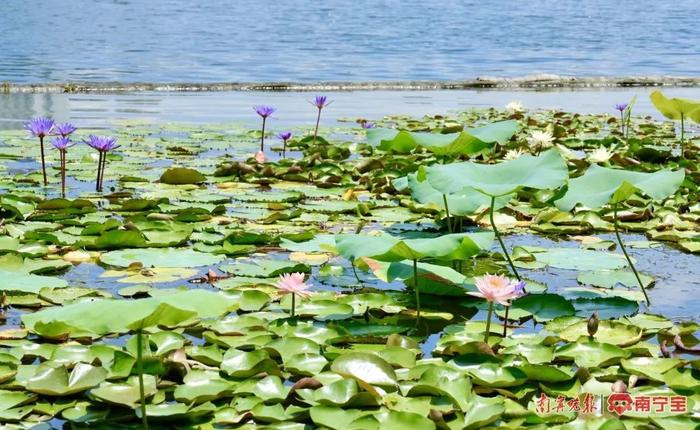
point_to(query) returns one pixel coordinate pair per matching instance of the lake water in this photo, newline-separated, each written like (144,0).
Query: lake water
(362,40)
(104,110)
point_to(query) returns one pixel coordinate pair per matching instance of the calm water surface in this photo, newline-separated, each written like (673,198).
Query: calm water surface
(360,40)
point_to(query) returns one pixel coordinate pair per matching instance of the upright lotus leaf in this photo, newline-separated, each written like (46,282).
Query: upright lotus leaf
(388,139)
(469,141)
(390,248)
(603,185)
(547,170)
(464,202)
(674,108)
(102,317)
(677,109)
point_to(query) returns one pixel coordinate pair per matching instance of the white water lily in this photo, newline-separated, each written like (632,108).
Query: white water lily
(513,154)
(514,106)
(540,140)
(599,155)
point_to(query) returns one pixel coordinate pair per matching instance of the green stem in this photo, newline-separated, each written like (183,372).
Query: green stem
(488,323)
(505,252)
(500,239)
(318,120)
(139,363)
(622,122)
(293,303)
(262,136)
(99,172)
(43,161)
(629,260)
(415,287)
(627,124)
(682,134)
(352,264)
(63,173)
(447,213)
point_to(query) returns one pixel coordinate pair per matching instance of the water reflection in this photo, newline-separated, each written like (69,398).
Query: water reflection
(101,110)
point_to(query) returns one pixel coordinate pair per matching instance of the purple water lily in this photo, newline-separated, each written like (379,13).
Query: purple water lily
(65,129)
(284,136)
(264,112)
(62,143)
(40,127)
(367,125)
(320,102)
(103,145)
(621,107)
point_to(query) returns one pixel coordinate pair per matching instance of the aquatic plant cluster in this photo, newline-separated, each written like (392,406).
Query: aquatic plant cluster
(365,276)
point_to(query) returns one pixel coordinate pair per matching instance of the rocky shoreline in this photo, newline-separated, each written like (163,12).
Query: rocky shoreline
(530,82)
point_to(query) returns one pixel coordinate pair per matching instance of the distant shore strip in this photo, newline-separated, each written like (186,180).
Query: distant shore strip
(532,82)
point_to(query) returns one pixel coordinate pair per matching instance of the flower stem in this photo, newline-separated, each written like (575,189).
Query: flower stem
(293,303)
(63,173)
(43,161)
(629,260)
(262,136)
(318,120)
(488,323)
(505,252)
(284,148)
(99,172)
(103,166)
(447,213)
(415,287)
(139,363)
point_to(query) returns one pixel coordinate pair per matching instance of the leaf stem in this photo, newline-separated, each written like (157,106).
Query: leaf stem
(682,134)
(415,287)
(139,363)
(447,213)
(629,260)
(505,252)
(500,239)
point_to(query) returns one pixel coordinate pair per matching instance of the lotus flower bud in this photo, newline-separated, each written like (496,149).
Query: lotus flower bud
(593,324)
(619,387)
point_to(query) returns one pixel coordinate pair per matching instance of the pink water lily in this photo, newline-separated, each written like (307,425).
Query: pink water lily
(293,283)
(260,157)
(498,288)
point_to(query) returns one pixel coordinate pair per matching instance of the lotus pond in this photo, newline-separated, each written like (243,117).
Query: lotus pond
(344,277)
